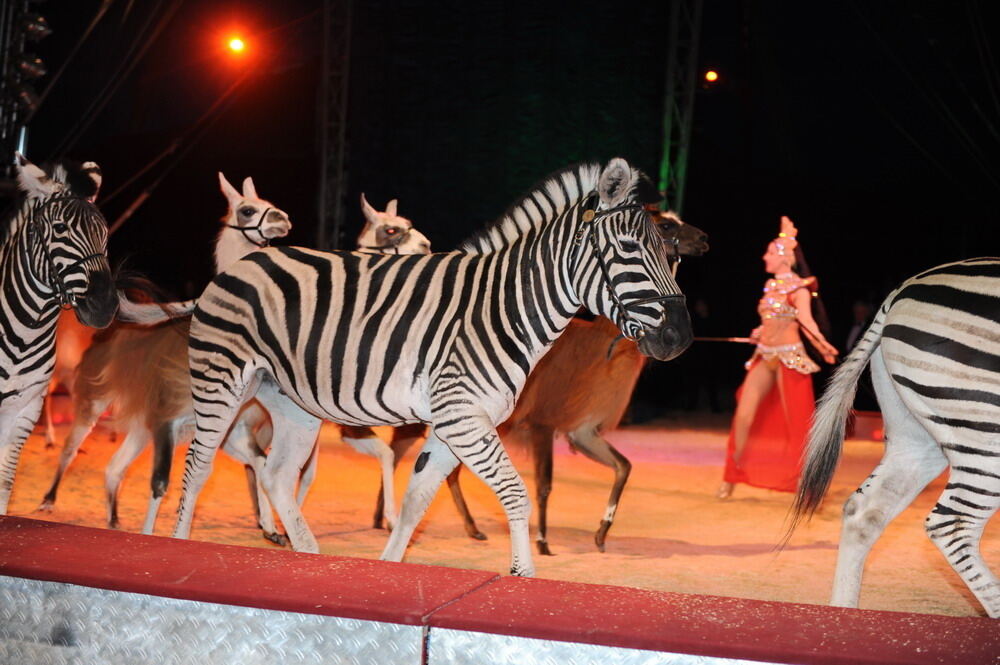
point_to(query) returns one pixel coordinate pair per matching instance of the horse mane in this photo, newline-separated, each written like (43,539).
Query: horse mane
(545,201)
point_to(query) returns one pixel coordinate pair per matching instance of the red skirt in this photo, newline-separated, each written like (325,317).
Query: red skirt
(772,457)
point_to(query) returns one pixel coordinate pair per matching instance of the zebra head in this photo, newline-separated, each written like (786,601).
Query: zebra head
(68,238)
(388,233)
(622,268)
(258,220)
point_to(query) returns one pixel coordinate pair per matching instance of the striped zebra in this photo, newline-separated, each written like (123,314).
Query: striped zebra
(446,339)
(52,255)
(934,350)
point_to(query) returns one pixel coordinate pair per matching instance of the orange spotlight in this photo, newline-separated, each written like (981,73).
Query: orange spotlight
(237,45)
(711,76)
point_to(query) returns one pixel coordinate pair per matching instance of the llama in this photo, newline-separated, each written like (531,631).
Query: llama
(143,373)
(581,387)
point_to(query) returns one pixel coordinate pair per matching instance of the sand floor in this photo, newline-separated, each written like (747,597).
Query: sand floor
(671,534)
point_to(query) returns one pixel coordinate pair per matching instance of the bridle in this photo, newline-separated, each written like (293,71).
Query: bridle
(63,296)
(632,329)
(393,243)
(259,228)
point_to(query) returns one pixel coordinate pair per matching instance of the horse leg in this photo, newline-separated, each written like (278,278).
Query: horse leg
(956,524)
(589,442)
(131,446)
(164,437)
(912,459)
(541,449)
(296,432)
(363,440)
(16,423)
(86,413)
(462,507)
(50,430)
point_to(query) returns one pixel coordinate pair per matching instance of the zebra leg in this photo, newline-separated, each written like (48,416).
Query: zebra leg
(86,413)
(589,442)
(16,423)
(374,446)
(462,507)
(956,524)
(295,437)
(403,438)
(131,446)
(912,459)
(433,464)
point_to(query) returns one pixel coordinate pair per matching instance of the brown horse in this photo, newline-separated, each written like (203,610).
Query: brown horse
(581,388)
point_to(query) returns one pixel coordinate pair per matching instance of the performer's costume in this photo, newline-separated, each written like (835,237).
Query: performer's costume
(772,456)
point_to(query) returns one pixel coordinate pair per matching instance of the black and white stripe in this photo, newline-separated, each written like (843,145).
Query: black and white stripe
(934,350)
(52,254)
(446,339)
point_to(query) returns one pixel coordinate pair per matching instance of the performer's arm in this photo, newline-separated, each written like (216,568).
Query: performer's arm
(801,300)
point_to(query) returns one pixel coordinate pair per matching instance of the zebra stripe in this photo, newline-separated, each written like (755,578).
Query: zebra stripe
(445,339)
(934,350)
(52,253)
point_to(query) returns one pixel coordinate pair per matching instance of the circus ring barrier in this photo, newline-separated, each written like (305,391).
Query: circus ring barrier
(72,594)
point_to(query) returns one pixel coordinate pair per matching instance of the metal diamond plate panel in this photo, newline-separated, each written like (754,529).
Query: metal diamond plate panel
(462,647)
(54,623)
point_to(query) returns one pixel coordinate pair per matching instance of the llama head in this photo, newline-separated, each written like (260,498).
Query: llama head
(388,233)
(250,222)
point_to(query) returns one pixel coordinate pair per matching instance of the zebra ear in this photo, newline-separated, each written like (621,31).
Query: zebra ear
(616,182)
(371,215)
(229,191)
(390,208)
(32,180)
(249,191)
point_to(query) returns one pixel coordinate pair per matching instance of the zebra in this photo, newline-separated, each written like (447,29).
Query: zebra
(446,339)
(53,255)
(934,350)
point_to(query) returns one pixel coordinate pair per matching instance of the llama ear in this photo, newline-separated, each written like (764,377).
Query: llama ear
(33,180)
(93,171)
(249,191)
(390,208)
(228,190)
(370,213)
(616,182)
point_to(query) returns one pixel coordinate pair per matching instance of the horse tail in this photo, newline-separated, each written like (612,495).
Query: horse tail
(826,436)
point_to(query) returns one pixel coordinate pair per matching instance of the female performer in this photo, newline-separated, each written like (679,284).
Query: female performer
(774,406)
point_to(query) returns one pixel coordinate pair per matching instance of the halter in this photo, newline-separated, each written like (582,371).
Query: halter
(259,228)
(63,296)
(633,330)
(393,244)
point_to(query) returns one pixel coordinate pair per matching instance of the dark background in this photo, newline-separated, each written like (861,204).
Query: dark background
(873,125)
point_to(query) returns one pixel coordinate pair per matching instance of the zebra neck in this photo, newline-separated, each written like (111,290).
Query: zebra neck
(27,301)
(540,296)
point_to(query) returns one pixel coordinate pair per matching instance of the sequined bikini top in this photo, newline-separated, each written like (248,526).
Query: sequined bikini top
(774,303)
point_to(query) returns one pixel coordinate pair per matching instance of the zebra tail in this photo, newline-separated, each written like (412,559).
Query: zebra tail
(152,313)
(826,436)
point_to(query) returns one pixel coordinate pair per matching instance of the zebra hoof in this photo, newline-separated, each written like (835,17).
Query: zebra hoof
(543,548)
(279,539)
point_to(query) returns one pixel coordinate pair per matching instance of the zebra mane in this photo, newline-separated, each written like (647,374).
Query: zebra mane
(72,175)
(542,204)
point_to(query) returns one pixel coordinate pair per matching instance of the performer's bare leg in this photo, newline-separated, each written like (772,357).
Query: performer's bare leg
(757,384)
